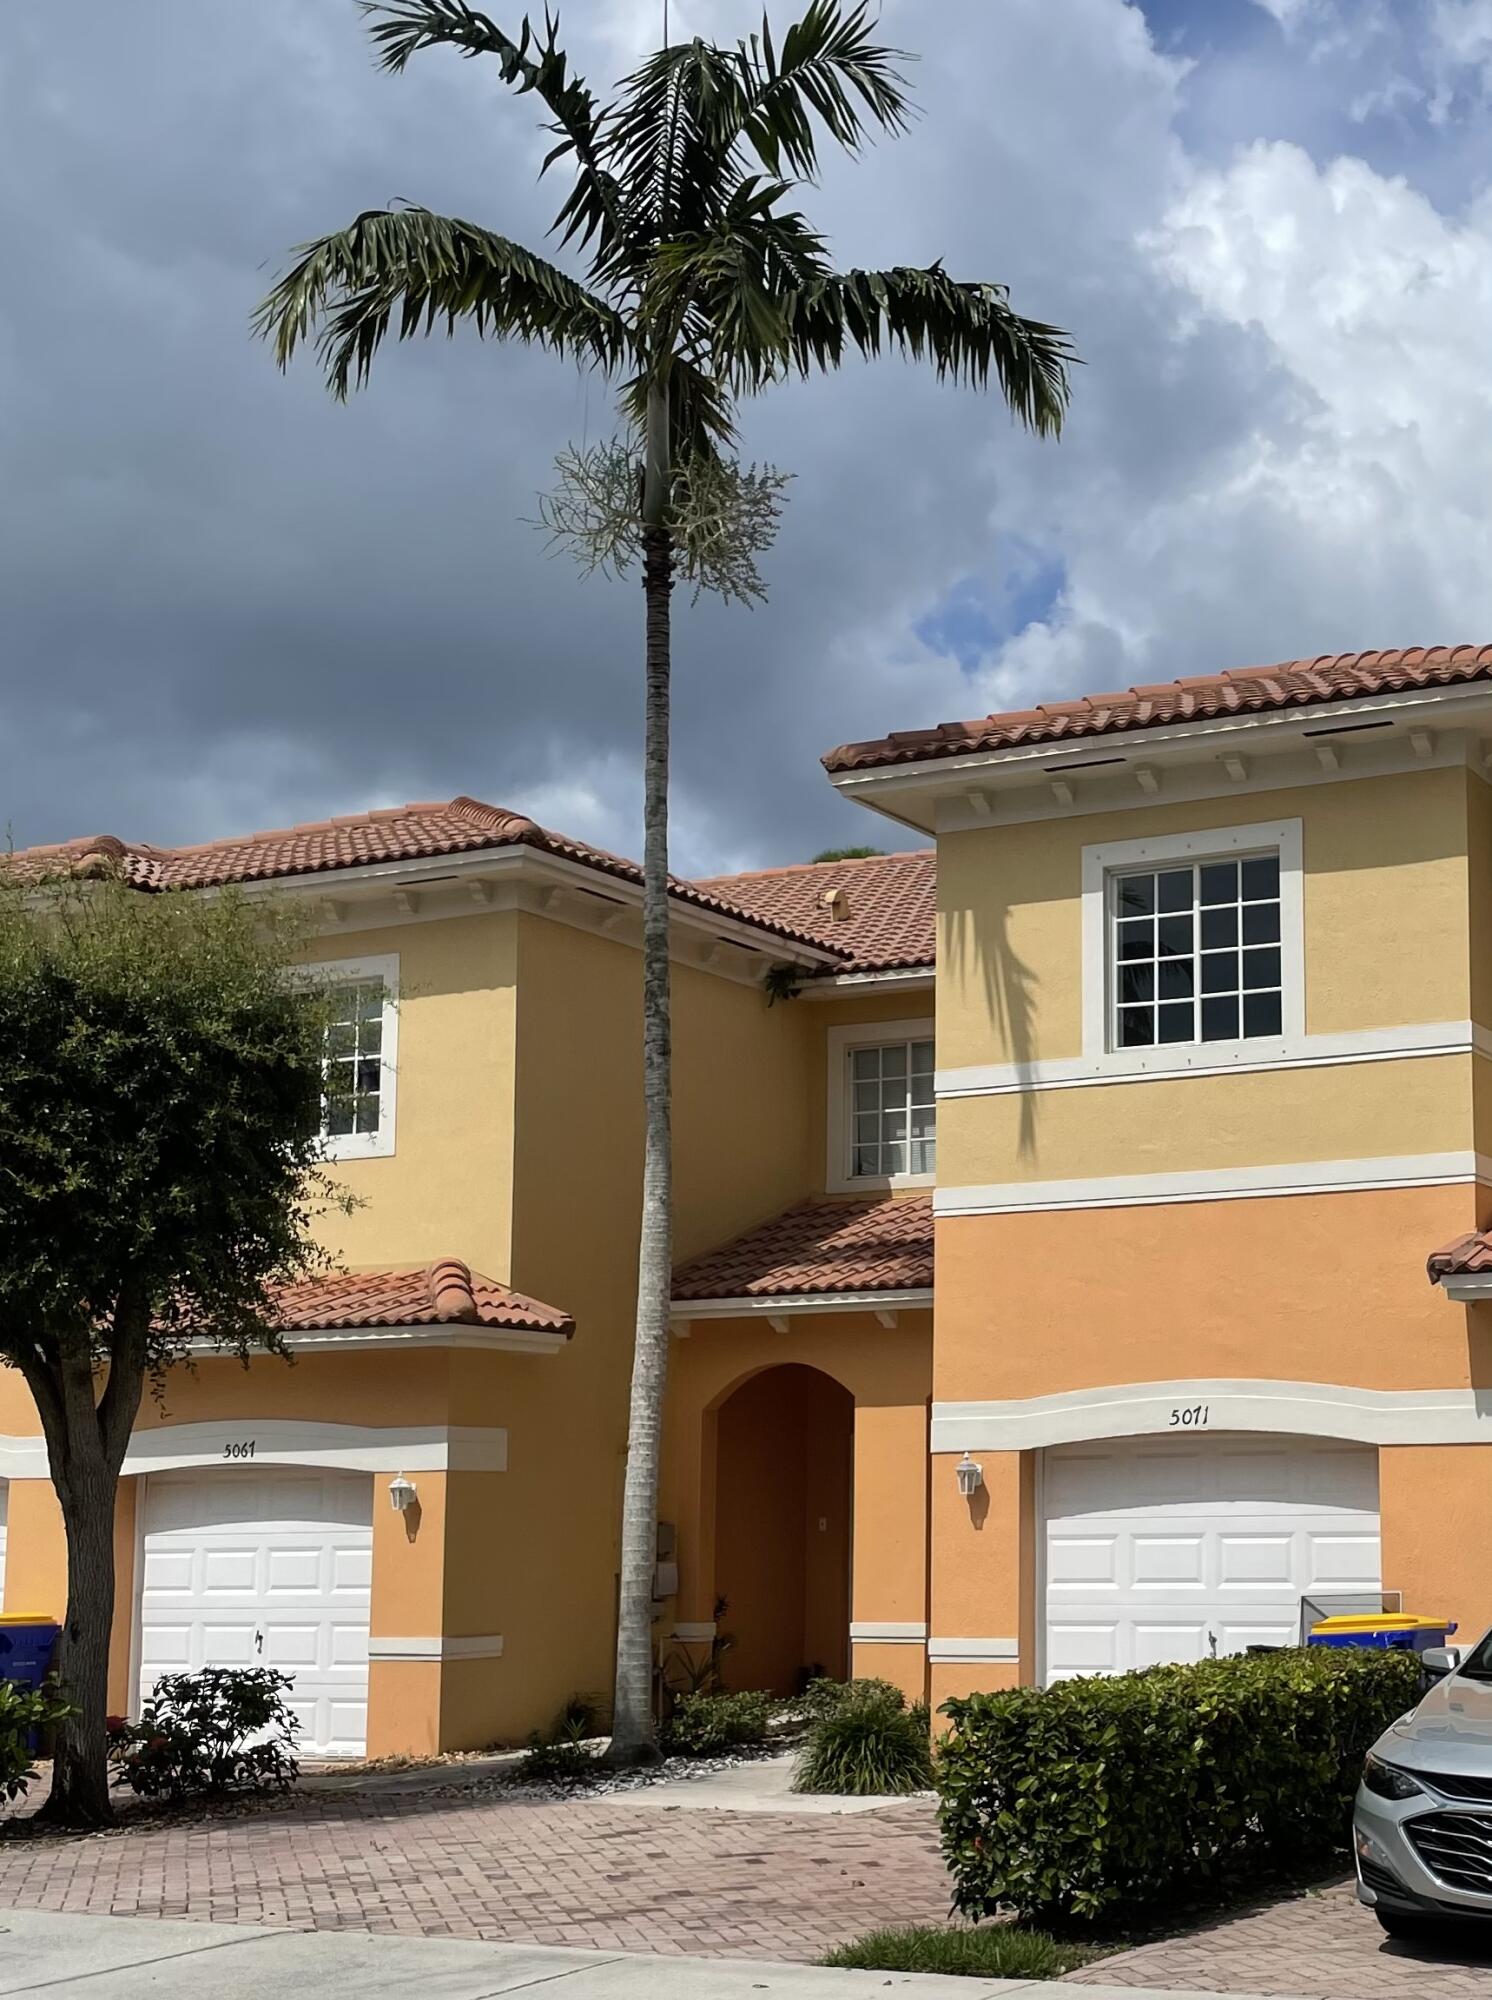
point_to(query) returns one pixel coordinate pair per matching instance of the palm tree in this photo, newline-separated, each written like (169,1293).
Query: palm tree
(702,285)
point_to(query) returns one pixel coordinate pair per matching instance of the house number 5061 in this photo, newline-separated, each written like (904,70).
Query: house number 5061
(1192,1418)
(244,1448)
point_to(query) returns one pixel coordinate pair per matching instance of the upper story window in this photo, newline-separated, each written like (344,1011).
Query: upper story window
(882,1115)
(1196,952)
(357,1103)
(1193,949)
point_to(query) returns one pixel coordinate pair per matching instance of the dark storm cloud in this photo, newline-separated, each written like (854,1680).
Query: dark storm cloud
(225,602)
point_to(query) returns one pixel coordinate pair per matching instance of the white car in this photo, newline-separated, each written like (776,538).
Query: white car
(1422,1820)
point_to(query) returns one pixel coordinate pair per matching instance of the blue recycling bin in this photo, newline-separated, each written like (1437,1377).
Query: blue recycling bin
(27,1644)
(1390,1631)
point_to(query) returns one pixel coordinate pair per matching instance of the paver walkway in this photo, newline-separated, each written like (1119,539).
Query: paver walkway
(608,1875)
(1323,1946)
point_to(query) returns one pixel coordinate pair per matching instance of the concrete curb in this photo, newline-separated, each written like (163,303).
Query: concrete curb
(68,1957)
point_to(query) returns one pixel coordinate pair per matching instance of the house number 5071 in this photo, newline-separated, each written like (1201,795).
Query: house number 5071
(1192,1418)
(244,1448)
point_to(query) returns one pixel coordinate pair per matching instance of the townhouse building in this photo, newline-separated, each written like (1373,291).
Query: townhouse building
(1077,1247)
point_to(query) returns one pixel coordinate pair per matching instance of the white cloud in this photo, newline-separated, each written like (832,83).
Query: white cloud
(229,603)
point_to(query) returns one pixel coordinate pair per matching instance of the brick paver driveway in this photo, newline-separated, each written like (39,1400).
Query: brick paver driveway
(601,1873)
(1322,1947)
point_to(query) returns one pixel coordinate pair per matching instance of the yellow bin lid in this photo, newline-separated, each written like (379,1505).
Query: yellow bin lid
(28,1618)
(1386,1621)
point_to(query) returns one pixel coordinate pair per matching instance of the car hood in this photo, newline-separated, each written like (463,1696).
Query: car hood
(1451,1730)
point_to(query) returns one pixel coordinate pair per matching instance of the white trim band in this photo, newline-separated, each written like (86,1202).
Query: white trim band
(488,1646)
(1166,1065)
(897,1632)
(1217,1184)
(257,1441)
(1192,1408)
(701,1633)
(973,1652)
(786,1304)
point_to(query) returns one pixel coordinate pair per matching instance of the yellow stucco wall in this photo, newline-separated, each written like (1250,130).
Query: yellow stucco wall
(447,1188)
(1385,898)
(1193,1123)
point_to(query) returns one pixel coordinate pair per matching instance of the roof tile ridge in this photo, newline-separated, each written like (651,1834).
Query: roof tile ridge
(448,1282)
(494,819)
(806,867)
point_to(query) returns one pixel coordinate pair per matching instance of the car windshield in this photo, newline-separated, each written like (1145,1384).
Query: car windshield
(1477,1665)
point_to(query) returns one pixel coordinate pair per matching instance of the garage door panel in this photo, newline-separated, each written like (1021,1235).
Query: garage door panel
(1084,1561)
(295,1571)
(249,1567)
(166,1649)
(1343,1562)
(1245,1562)
(1160,1549)
(1083,1648)
(1158,1643)
(1172,1562)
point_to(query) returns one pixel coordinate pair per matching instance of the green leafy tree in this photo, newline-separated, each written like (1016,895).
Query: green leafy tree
(160,1081)
(848,853)
(700,284)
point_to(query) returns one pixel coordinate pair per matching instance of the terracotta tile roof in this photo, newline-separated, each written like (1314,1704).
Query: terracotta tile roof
(446,1292)
(1246,691)
(394,833)
(885,917)
(1467,1256)
(868,1244)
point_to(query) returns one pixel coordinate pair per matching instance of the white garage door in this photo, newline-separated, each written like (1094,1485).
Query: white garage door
(1161,1549)
(264,1569)
(4,1510)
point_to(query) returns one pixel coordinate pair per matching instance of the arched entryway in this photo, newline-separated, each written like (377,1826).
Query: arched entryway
(783,1471)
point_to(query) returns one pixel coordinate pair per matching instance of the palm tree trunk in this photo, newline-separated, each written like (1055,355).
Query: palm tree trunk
(633,1738)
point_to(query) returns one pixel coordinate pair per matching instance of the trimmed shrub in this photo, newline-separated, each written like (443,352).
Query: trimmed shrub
(226,1729)
(709,1725)
(867,1743)
(993,1951)
(1101,1795)
(23,1711)
(563,1759)
(823,1695)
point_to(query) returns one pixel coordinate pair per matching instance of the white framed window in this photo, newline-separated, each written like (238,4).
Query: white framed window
(882,1112)
(1193,948)
(361,1052)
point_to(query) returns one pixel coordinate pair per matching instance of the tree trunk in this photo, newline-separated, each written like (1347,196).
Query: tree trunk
(80,1774)
(86,1441)
(633,1738)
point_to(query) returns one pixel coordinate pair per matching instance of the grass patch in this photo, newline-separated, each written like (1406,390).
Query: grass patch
(990,1951)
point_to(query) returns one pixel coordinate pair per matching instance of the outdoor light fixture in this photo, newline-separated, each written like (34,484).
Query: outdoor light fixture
(970,1476)
(401,1493)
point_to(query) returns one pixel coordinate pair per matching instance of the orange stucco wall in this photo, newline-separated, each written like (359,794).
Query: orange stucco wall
(1303,1288)
(782,1533)
(1437,1530)
(887,1372)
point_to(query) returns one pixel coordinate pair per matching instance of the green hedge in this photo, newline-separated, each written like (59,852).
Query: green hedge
(24,1710)
(712,1725)
(1101,1795)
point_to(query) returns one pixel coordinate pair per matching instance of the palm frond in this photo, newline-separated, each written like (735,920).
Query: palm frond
(425,268)
(965,330)
(726,288)
(827,65)
(532,62)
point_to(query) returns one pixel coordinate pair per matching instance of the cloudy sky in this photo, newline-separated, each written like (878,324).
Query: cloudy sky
(227,603)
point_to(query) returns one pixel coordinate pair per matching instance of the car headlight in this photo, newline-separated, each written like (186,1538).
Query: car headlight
(1387,1781)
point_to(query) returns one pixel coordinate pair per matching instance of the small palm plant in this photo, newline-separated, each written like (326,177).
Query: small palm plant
(702,284)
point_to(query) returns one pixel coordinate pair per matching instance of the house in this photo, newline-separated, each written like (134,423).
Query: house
(1052,1242)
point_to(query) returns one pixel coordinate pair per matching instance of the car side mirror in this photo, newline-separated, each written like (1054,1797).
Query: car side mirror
(1438,1661)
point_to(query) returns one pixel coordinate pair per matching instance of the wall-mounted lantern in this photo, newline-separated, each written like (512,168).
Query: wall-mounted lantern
(970,1475)
(402,1494)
